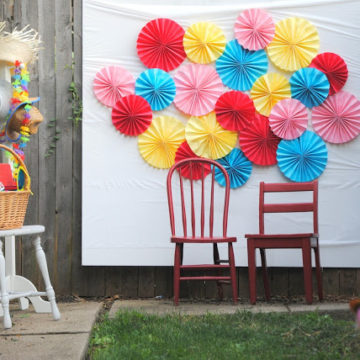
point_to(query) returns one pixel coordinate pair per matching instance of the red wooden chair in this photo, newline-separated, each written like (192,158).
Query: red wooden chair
(199,194)
(305,241)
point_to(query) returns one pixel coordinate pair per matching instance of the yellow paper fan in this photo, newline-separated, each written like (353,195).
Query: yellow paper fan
(158,144)
(204,42)
(207,138)
(295,44)
(268,90)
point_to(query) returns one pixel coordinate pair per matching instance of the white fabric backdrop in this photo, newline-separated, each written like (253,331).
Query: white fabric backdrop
(125,214)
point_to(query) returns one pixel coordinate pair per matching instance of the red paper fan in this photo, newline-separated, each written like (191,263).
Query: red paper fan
(184,152)
(258,142)
(234,110)
(334,67)
(160,44)
(131,115)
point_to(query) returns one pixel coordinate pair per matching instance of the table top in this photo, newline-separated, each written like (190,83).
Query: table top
(25,230)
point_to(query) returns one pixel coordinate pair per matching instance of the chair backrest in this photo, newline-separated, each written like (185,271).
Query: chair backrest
(288,207)
(198,200)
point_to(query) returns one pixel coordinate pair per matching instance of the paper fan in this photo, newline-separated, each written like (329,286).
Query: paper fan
(160,44)
(258,142)
(158,144)
(302,159)
(310,86)
(234,110)
(131,115)
(156,87)
(288,119)
(239,68)
(268,90)
(335,69)
(337,119)
(207,138)
(295,44)
(237,166)
(197,170)
(254,29)
(111,83)
(204,42)
(197,89)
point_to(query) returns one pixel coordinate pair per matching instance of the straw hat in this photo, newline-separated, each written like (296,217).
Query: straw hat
(22,45)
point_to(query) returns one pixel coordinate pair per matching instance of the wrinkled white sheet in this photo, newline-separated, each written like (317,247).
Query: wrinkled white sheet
(125,214)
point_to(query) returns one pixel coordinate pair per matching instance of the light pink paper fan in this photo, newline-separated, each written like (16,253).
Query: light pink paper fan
(197,89)
(337,119)
(288,119)
(254,29)
(111,83)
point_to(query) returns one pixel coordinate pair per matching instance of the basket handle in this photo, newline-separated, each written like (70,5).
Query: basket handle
(19,160)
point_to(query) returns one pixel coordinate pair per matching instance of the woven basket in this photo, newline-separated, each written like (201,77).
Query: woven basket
(13,204)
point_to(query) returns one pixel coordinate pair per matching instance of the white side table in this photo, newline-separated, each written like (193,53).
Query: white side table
(13,286)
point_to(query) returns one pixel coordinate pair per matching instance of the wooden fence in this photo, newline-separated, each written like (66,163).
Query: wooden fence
(56,179)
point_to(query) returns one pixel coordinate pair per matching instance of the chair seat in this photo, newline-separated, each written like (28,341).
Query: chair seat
(281,236)
(283,240)
(202,240)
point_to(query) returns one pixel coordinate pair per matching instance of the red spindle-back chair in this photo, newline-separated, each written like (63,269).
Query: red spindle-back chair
(192,211)
(304,241)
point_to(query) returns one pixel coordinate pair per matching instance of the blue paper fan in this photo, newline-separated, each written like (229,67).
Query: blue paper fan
(304,158)
(237,166)
(156,87)
(310,86)
(238,68)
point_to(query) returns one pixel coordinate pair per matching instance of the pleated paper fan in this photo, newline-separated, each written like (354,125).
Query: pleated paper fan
(237,166)
(204,42)
(304,158)
(160,44)
(337,119)
(198,87)
(234,110)
(197,171)
(254,29)
(156,87)
(295,44)
(159,143)
(288,119)
(268,90)
(207,138)
(310,86)
(335,69)
(239,68)
(258,142)
(111,83)
(131,115)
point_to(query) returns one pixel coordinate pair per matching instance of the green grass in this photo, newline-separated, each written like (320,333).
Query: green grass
(132,335)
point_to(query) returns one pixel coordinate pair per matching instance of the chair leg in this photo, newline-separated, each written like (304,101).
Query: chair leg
(233,273)
(41,259)
(4,293)
(318,274)
(252,270)
(306,254)
(177,261)
(216,257)
(265,274)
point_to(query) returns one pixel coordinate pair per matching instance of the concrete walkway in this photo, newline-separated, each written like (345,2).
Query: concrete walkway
(38,336)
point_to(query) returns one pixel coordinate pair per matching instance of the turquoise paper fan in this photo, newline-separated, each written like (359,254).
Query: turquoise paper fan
(157,87)
(304,158)
(239,68)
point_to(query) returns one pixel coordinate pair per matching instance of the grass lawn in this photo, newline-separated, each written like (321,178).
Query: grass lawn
(133,335)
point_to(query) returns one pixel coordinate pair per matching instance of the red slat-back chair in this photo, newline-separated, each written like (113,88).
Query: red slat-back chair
(197,233)
(303,241)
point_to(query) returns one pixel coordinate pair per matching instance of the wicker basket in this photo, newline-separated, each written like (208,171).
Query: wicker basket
(13,204)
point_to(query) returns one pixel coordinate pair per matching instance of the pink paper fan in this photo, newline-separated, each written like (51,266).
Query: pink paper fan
(337,119)
(254,29)
(197,89)
(288,119)
(111,83)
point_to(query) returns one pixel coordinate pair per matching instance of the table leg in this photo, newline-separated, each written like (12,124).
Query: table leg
(4,293)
